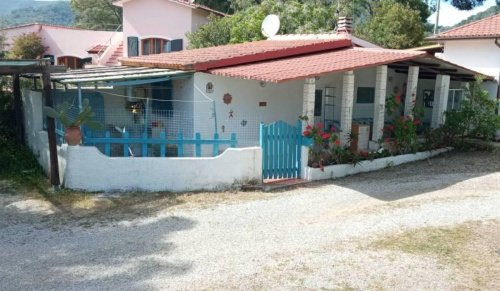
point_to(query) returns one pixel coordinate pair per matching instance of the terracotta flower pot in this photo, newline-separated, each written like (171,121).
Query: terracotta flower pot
(73,135)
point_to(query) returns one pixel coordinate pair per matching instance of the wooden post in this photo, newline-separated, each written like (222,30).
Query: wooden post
(18,108)
(51,131)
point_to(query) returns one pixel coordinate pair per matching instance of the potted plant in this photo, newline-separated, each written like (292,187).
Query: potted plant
(72,134)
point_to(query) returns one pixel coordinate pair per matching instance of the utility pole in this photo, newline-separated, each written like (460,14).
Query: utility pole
(436,25)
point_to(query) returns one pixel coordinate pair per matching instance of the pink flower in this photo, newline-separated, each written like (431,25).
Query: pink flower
(306,133)
(337,142)
(325,135)
(319,125)
(308,127)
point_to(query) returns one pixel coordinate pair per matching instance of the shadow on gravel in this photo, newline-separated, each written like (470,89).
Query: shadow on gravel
(421,177)
(115,257)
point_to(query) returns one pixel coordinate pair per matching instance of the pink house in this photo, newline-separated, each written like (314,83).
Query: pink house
(159,26)
(65,45)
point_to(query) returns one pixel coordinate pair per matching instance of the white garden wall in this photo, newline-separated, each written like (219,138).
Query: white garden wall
(90,170)
(338,171)
(36,137)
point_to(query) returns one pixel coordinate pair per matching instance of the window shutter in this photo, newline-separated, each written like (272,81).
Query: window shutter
(133,46)
(176,45)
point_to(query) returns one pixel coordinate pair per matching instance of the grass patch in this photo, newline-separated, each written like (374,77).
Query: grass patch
(443,243)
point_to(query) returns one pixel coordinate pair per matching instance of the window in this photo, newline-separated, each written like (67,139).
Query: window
(70,62)
(365,95)
(318,102)
(151,46)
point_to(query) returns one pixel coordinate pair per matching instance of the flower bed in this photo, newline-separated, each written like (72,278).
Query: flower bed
(342,170)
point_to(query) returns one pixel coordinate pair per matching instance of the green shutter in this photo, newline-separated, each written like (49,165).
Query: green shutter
(176,45)
(133,46)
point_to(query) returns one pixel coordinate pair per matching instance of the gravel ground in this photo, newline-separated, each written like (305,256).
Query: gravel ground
(314,237)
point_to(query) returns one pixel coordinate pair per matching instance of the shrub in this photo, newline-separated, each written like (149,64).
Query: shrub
(27,46)
(475,118)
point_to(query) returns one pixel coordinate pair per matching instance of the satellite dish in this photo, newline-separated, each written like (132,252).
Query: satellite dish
(270,25)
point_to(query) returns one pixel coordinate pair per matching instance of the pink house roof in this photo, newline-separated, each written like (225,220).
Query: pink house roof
(236,54)
(41,25)
(485,28)
(299,67)
(187,3)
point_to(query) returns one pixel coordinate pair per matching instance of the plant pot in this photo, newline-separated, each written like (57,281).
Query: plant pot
(73,135)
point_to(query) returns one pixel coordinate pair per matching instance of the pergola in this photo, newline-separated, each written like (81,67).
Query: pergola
(16,68)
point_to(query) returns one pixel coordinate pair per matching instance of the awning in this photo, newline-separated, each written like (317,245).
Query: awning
(118,76)
(312,65)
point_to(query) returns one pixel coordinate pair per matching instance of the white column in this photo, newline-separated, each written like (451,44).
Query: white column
(411,90)
(346,106)
(379,102)
(440,100)
(308,100)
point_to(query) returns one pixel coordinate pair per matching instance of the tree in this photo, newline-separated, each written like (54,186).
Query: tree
(393,25)
(27,46)
(96,14)
(3,44)
(296,17)
(57,13)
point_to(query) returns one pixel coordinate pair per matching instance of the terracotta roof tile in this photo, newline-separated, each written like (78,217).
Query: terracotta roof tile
(97,48)
(485,28)
(300,67)
(229,55)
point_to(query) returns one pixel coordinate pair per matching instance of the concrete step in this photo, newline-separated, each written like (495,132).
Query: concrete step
(275,184)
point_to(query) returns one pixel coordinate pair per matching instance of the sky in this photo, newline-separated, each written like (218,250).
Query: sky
(450,15)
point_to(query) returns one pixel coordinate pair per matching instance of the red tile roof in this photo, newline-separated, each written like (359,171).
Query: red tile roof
(188,3)
(485,28)
(299,67)
(97,49)
(236,54)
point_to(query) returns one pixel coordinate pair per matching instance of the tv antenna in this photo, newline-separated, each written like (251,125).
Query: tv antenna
(270,25)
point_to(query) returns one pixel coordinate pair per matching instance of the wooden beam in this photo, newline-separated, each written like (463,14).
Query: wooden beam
(11,70)
(18,108)
(51,131)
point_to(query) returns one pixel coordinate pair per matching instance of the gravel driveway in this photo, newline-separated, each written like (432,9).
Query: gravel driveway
(314,237)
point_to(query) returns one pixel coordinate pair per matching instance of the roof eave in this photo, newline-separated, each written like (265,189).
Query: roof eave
(432,38)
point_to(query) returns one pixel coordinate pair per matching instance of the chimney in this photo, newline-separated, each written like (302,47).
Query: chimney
(344,25)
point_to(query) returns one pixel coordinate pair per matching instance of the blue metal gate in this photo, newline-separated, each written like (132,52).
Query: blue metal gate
(281,150)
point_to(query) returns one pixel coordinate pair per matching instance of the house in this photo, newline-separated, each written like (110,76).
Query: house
(160,26)
(229,114)
(149,27)
(475,45)
(70,46)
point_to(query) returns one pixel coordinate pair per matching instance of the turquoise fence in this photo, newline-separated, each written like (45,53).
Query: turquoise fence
(145,142)
(281,150)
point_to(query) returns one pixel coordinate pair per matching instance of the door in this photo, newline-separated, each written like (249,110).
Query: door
(281,150)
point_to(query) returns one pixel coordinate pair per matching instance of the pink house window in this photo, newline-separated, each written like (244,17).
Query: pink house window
(151,46)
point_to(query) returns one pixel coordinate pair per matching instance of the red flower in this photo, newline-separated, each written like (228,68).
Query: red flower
(387,140)
(319,125)
(397,99)
(417,121)
(306,133)
(337,142)
(308,127)
(325,135)
(390,127)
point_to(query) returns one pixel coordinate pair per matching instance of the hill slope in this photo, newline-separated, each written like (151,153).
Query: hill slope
(48,12)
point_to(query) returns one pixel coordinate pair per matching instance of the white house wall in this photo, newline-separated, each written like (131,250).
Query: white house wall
(283,102)
(481,55)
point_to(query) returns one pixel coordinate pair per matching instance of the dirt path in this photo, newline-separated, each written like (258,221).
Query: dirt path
(422,226)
